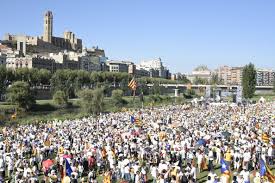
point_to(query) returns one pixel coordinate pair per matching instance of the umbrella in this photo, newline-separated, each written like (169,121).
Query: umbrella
(182,129)
(67,156)
(169,130)
(201,142)
(47,163)
(226,134)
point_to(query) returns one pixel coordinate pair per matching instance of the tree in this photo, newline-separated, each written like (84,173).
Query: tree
(215,80)
(183,79)
(92,100)
(3,79)
(44,77)
(189,93)
(249,81)
(64,80)
(82,79)
(157,89)
(117,99)
(199,80)
(274,85)
(20,94)
(60,98)
(201,68)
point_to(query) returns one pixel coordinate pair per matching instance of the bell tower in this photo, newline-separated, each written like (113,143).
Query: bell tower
(48,27)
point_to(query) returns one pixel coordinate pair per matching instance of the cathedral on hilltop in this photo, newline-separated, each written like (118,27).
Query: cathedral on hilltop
(69,41)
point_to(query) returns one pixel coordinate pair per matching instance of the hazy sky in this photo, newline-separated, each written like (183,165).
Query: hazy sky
(183,33)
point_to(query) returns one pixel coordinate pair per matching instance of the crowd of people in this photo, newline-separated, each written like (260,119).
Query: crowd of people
(177,144)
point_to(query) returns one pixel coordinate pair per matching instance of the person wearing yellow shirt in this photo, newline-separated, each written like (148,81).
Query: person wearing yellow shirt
(228,157)
(61,150)
(107,177)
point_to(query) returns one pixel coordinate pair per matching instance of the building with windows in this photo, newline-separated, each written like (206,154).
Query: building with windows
(142,73)
(154,67)
(230,75)
(68,60)
(222,73)
(234,76)
(201,72)
(32,62)
(120,66)
(178,76)
(265,77)
(90,63)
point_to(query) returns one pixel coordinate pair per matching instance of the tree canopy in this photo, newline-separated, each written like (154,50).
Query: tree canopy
(249,80)
(92,100)
(20,94)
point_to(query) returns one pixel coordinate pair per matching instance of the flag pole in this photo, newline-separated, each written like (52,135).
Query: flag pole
(134,95)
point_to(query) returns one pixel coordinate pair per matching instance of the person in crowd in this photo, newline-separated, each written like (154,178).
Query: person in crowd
(173,143)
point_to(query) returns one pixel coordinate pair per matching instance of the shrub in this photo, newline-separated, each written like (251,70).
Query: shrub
(189,93)
(155,98)
(20,94)
(117,99)
(92,100)
(60,98)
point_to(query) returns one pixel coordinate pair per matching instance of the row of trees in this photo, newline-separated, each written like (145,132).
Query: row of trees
(71,81)
(90,87)
(20,85)
(214,80)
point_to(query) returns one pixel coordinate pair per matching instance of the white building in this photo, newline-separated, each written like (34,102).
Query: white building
(200,72)
(155,67)
(119,66)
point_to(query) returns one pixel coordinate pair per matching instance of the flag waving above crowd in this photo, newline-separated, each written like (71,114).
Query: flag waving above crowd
(133,84)
(265,172)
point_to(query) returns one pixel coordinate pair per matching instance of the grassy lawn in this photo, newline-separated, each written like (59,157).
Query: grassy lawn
(269,97)
(45,110)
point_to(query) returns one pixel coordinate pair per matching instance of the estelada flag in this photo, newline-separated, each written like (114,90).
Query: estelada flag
(265,171)
(265,138)
(135,121)
(224,167)
(132,84)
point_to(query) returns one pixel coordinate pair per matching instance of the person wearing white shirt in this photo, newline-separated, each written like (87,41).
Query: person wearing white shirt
(2,166)
(154,173)
(218,151)
(237,160)
(127,173)
(246,159)
(270,155)
(10,163)
(246,176)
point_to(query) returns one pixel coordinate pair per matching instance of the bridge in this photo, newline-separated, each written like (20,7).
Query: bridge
(222,88)
(204,86)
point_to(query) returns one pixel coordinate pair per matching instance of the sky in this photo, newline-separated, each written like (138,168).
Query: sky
(183,33)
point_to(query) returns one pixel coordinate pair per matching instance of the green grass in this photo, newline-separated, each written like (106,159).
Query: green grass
(267,97)
(47,110)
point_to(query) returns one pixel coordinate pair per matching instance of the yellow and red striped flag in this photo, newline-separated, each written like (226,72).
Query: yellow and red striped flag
(265,138)
(133,84)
